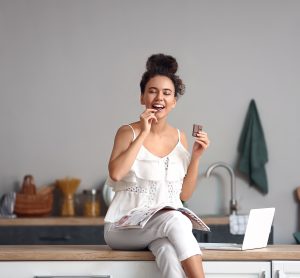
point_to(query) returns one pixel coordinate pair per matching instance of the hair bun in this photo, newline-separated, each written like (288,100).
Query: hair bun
(162,63)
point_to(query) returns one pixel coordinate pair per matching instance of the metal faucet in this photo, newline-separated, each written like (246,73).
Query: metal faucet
(233,202)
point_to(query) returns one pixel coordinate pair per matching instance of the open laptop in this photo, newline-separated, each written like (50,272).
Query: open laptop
(256,235)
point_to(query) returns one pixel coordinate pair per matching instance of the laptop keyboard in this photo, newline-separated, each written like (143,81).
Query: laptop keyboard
(224,246)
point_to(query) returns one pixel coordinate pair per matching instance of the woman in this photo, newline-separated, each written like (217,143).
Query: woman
(149,166)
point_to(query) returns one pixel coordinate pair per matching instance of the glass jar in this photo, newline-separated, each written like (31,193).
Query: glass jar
(91,204)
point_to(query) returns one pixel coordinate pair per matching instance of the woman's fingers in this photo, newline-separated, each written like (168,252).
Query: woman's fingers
(147,113)
(203,144)
(202,139)
(148,116)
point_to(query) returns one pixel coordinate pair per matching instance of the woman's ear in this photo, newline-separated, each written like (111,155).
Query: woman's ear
(174,104)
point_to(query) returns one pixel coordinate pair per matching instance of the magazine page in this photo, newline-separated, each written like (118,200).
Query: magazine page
(198,224)
(136,218)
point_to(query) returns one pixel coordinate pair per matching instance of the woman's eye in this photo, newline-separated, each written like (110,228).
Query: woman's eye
(167,93)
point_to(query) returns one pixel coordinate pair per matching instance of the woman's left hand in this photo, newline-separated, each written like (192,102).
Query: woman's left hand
(201,144)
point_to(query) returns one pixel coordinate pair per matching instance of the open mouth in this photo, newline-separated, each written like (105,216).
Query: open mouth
(158,107)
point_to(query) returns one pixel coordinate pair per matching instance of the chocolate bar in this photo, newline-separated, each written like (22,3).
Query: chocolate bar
(196,129)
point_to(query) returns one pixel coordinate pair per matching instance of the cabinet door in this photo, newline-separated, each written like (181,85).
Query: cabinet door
(237,269)
(79,269)
(286,269)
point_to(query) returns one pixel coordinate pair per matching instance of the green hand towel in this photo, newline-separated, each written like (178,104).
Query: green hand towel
(297,237)
(253,150)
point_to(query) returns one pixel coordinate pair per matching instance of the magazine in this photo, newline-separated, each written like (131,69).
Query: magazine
(138,217)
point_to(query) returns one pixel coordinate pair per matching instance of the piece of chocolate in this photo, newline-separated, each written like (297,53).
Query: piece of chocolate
(196,129)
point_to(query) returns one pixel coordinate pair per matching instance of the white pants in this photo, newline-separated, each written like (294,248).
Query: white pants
(168,234)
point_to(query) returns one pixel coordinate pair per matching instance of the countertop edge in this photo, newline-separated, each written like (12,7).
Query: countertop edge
(104,253)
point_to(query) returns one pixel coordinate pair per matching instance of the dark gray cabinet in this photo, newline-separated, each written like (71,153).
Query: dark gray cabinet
(93,234)
(221,233)
(23,235)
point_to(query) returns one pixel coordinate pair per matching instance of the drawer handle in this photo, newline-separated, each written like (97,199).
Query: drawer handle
(280,274)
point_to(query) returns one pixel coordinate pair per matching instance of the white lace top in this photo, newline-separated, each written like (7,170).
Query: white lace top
(151,181)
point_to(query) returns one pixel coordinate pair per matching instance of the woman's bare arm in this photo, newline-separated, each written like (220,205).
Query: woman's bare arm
(190,180)
(124,152)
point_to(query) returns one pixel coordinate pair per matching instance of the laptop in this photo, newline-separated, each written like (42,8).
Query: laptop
(256,235)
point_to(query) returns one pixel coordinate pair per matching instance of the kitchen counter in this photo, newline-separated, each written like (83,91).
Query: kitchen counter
(104,253)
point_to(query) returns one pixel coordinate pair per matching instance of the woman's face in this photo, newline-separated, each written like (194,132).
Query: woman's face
(159,94)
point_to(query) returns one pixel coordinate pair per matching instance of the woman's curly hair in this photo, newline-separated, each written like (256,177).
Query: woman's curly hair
(165,65)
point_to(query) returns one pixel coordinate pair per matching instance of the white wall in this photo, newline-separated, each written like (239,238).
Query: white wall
(70,72)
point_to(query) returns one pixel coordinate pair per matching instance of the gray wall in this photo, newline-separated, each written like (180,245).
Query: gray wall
(69,76)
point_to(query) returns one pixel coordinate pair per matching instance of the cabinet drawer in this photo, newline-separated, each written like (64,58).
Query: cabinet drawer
(286,269)
(78,269)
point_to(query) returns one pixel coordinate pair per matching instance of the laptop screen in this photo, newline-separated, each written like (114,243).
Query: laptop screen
(258,228)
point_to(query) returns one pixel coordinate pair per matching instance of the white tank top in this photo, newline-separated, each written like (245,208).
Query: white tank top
(151,181)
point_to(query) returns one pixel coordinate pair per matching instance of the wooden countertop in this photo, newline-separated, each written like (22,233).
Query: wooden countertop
(52,221)
(84,221)
(104,253)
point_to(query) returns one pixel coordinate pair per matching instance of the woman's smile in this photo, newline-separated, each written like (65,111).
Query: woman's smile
(158,107)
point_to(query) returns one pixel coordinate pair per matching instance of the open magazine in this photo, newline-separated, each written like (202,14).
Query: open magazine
(138,217)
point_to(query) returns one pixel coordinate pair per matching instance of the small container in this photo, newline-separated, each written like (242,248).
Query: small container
(196,129)
(91,204)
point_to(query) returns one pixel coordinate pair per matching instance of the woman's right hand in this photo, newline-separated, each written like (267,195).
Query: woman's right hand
(147,118)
